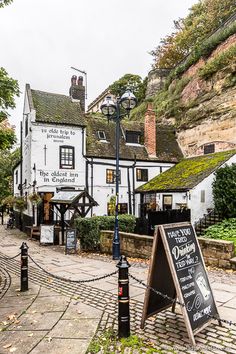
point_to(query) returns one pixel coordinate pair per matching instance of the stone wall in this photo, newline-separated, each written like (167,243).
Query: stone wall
(156,80)
(132,245)
(216,253)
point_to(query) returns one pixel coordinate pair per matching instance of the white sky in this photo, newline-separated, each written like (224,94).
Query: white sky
(41,39)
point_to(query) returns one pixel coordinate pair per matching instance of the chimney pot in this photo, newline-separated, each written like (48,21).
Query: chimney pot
(73,80)
(80,80)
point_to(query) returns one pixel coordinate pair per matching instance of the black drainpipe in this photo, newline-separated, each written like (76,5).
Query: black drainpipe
(129,192)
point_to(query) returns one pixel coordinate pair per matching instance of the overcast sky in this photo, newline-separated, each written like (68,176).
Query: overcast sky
(41,39)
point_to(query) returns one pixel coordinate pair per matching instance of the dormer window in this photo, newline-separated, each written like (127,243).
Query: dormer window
(132,137)
(101,135)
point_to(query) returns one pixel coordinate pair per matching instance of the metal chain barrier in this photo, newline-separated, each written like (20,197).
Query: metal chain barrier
(71,280)
(9,258)
(231,323)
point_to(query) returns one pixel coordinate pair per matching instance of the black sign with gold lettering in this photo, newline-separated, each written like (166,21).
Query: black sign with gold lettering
(188,276)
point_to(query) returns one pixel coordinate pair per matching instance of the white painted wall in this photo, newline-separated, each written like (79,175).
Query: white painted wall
(198,208)
(102,191)
(49,175)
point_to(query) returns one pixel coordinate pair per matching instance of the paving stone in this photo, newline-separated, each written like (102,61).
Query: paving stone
(61,346)
(49,304)
(76,328)
(19,341)
(37,321)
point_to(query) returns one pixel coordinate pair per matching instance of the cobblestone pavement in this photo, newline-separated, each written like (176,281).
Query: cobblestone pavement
(166,330)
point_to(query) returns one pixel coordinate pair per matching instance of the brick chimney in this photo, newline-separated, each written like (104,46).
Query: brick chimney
(77,91)
(150,131)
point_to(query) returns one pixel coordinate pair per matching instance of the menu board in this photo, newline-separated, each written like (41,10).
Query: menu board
(71,239)
(47,234)
(188,274)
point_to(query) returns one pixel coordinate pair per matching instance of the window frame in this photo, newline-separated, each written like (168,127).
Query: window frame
(63,166)
(132,133)
(143,175)
(113,176)
(101,132)
(209,149)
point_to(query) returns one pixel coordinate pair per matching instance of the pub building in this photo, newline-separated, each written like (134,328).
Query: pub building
(62,147)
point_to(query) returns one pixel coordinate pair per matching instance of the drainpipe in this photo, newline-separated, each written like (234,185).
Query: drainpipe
(129,192)
(21,155)
(133,177)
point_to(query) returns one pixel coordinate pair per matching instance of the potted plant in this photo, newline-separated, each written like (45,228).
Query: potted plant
(35,198)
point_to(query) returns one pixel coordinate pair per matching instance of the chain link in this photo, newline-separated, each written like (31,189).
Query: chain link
(231,323)
(71,280)
(9,258)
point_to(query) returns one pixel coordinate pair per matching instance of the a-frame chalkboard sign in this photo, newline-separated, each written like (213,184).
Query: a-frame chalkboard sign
(177,269)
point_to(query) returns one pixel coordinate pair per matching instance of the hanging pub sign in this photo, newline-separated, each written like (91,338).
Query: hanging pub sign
(46,234)
(177,269)
(71,240)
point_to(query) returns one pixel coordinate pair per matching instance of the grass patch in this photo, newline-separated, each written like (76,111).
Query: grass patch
(108,343)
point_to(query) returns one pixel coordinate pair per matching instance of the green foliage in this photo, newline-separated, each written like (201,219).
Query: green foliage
(226,230)
(5,2)
(133,82)
(224,190)
(20,203)
(8,90)
(108,343)
(203,19)
(219,62)
(7,161)
(203,49)
(89,228)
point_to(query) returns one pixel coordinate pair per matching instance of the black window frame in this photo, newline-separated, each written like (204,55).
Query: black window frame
(209,149)
(130,136)
(67,166)
(113,180)
(143,174)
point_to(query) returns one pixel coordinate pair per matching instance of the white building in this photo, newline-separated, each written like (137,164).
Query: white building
(63,148)
(187,185)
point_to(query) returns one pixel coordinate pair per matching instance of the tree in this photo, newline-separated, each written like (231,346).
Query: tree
(203,19)
(133,82)
(224,191)
(8,90)
(5,2)
(7,162)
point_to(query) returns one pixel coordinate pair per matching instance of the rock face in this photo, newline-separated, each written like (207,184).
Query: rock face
(203,109)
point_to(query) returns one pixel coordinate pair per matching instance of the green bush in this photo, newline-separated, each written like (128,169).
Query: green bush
(226,230)
(219,62)
(224,191)
(202,50)
(89,228)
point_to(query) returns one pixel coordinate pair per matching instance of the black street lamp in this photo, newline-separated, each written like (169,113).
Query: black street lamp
(116,111)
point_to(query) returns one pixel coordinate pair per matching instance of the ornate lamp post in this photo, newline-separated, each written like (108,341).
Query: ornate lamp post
(116,111)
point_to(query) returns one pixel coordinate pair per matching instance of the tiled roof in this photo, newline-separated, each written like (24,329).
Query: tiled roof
(187,173)
(167,146)
(55,108)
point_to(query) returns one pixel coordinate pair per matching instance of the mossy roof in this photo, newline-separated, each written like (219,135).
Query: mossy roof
(187,173)
(167,146)
(55,108)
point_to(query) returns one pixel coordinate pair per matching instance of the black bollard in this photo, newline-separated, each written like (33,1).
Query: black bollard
(123,298)
(24,267)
